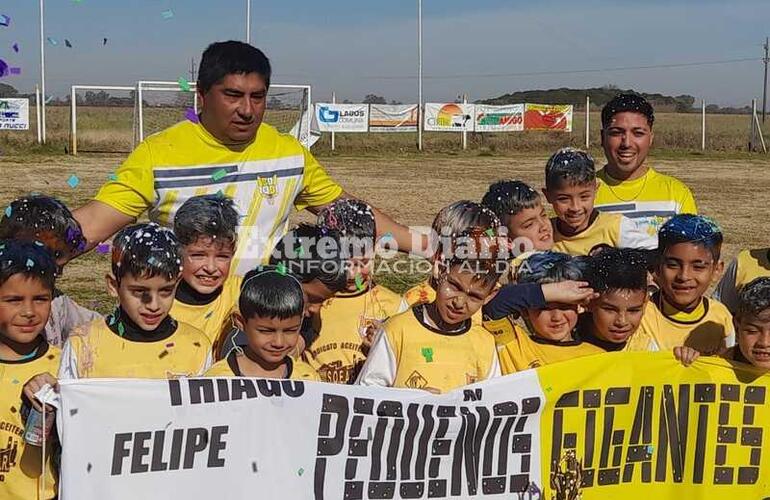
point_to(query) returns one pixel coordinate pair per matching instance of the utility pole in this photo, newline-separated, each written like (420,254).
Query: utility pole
(192,70)
(766,59)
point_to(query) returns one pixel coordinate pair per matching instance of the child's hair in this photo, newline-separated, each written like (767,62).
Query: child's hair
(552,267)
(571,166)
(350,217)
(211,215)
(618,269)
(303,253)
(754,298)
(627,101)
(42,218)
(508,198)
(458,218)
(32,260)
(146,251)
(690,228)
(271,292)
(477,250)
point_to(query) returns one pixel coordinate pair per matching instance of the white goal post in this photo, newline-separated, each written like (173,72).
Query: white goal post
(74,109)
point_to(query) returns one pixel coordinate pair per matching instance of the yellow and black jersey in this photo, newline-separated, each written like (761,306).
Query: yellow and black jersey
(410,353)
(527,351)
(296,369)
(747,266)
(610,229)
(21,464)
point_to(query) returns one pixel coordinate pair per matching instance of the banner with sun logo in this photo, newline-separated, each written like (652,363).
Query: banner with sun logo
(449,117)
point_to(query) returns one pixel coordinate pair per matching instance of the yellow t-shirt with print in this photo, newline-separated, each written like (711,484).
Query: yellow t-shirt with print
(338,351)
(747,266)
(20,463)
(649,201)
(270,177)
(95,351)
(708,329)
(610,229)
(525,351)
(296,369)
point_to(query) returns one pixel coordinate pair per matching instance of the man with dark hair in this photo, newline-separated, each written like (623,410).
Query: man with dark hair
(628,185)
(231,150)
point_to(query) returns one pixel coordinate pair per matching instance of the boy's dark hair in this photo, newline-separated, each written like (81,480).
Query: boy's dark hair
(271,292)
(690,228)
(43,218)
(625,102)
(350,217)
(508,198)
(571,166)
(618,269)
(754,298)
(232,57)
(211,215)
(298,252)
(553,267)
(146,251)
(32,260)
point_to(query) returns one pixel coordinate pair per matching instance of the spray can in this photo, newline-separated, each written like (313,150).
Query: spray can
(34,430)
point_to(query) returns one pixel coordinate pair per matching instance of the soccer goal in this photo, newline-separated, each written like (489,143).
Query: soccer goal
(102,119)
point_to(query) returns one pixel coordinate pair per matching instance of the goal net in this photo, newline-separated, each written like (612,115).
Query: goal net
(102,119)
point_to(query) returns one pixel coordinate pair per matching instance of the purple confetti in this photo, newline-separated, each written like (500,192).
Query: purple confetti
(15,71)
(191,115)
(15,47)
(5,20)
(4,70)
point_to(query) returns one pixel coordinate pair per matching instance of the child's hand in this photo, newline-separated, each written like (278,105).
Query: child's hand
(569,292)
(36,383)
(685,354)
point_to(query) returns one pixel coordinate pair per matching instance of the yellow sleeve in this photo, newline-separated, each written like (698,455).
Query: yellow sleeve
(219,369)
(688,201)
(132,189)
(319,188)
(303,371)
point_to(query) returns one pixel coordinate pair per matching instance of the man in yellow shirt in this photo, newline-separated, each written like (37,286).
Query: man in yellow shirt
(627,184)
(265,172)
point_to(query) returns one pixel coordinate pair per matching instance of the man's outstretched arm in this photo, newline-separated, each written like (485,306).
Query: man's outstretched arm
(99,221)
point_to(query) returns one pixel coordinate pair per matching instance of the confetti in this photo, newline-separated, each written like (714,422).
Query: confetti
(15,71)
(281,268)
(5,20)
(359,282)
(170,345)
(112,177)
(52,41)
(208,315)
(73,412)
(8,211)
(104,41)
(73,181)
(103,248)
(219,174)
(163,354)
(49,99)
(254,467)
(121,329)
(30,263)
(300,471)
(183,84)
(67,43)
(167,14)
(191,115)
(89,467)
(387,236)
(4,69)
(490,232)
(15,47)
(14,381)
(427,353)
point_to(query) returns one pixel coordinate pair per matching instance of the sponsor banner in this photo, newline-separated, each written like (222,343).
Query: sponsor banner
(653,429)
(448,117)
(392,118)
(508,118)
(14,114)
(548,117)
(342,117)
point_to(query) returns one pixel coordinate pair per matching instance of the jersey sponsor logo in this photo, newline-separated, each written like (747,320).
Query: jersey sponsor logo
(335,372)
(416,381)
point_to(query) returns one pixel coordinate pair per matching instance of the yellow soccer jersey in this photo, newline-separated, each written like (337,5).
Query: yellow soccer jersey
(20,464)
(610,229)
(409,353)
(649,201)
(503,330)
(709,329)
(338,351)
(215,318)
(266,180)
(526,351)
(423,293)
(296,369)
(747,266)
(95,351)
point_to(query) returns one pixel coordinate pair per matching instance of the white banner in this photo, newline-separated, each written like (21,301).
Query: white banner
(448,117)
(392,118)
(342,117)
(14,114)
(509,118)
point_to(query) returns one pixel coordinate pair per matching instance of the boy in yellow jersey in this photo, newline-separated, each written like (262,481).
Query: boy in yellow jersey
(270,311)
(570,188)
(27,274)
(747,265)
(688,262)
(206,227)
(435,347)
(550,335)
(752,328)
(627,185)
(351,317)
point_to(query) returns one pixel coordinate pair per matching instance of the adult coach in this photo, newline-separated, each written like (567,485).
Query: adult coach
(231,150)
(628,185)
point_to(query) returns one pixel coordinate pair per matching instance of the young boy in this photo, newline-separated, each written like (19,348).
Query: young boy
(206,227)
(27,274)
(752,325)
(570,188)
(435,346)
(688,262)
(47,220)
(270,311)
(747,265)
(552,336)
(350,318)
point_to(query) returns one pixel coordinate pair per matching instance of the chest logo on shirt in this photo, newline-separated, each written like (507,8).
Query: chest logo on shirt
(268,187)
(416,381)
(336,373)
(8,457)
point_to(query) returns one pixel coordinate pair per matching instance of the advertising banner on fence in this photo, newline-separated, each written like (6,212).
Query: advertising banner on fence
(392,118)
(14,114)
(448,117)
(508,118)
(342,117)
(548,117)
(619,425)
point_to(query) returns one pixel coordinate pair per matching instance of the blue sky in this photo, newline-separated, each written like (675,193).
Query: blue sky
(369,46)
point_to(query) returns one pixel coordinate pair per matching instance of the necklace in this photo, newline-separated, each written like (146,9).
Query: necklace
(633,198)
